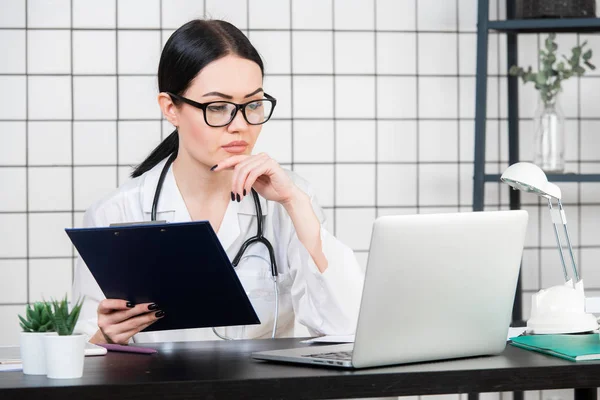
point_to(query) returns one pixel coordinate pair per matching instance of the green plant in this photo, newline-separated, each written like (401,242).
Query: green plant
(552,73)
(63,320)
(38,319)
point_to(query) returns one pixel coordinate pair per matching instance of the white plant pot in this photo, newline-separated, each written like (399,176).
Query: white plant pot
(33,353)
(64,356)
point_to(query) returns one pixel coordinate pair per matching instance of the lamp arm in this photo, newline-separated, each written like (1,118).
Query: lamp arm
(558,242)
(563,218)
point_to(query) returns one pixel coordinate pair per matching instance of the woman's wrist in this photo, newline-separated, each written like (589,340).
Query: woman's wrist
(98,338)
(308,227)
(296,201)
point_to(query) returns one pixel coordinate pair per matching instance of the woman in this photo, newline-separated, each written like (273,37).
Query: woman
(210,82)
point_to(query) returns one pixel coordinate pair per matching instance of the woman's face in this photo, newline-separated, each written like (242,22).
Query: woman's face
(232,79)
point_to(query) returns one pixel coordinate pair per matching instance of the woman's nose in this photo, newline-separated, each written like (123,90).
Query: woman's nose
(239,123)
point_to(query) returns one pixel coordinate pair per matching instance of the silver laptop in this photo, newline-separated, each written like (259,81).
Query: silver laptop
(437,286)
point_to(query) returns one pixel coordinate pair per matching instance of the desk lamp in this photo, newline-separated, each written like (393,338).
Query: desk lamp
(561,308)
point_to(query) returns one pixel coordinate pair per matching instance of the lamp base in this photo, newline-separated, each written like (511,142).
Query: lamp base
(560,309)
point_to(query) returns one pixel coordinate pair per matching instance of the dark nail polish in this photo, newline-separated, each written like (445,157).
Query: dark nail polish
(153,306)
(244,192)
(130,304)
(159,314)
(232,197)
(213,167)
(237,197)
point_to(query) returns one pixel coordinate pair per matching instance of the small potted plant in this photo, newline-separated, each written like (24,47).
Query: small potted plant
(549,141)
(65,352)
(35,325)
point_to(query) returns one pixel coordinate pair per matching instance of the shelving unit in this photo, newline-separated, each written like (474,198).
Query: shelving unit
(512,27)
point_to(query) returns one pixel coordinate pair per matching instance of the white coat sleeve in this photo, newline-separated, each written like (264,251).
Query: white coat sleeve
(85,286)
(326,303)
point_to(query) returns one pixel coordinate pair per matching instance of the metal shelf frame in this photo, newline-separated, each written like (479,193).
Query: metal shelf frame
(512,27)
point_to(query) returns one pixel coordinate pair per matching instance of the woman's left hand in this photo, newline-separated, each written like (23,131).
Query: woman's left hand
(261,172)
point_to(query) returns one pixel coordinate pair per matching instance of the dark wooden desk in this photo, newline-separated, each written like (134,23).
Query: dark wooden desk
(224,370)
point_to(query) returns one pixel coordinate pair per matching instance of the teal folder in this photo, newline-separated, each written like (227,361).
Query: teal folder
(571,347)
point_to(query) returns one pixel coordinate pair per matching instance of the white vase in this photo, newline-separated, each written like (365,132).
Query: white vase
(33,353)
(64,356)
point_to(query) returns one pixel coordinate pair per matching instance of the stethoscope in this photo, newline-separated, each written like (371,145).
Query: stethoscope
(258,238)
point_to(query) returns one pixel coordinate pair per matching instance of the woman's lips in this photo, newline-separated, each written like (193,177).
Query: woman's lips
(235,147)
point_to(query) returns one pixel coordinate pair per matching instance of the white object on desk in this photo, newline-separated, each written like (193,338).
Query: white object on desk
(32,352)
(94,350)
(10,367)
(559,309)
(514,332)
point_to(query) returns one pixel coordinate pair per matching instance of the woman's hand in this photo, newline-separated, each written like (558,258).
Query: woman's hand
(261,172)
(271,182)
(119,320)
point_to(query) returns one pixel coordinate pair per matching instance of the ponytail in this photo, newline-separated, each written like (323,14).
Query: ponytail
(167,147)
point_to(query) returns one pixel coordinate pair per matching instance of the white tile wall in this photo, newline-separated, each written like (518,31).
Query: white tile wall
(48,13)
(93,97)
(312,52)
(312,14)
(88,14)
(234,11)
(375,109)
(306,134)
(138,13)
(138,52)
(94,52)
(49,97)
(48,52)
(177,12)
(12,48)
(13,106)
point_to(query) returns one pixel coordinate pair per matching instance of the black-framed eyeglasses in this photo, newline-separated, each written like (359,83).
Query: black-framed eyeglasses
(220,113)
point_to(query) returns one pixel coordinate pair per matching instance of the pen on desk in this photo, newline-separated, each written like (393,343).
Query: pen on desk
(127,348)
(10,362)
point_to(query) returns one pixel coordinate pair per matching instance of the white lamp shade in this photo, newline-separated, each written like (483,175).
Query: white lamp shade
(530,178)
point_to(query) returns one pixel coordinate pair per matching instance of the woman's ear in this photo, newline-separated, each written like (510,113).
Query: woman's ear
(168,108)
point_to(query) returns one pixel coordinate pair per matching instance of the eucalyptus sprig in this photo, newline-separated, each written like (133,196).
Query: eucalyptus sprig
(548,80)
(63,320)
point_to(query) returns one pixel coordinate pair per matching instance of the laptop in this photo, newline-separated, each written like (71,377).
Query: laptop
(437,286)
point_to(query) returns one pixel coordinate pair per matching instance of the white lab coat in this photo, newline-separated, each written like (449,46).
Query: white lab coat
(325,303)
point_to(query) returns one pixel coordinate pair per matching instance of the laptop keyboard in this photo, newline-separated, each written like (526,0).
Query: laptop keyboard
(337,355)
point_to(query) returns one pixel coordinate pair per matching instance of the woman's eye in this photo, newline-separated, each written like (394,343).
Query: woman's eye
(216,108)
(255,106)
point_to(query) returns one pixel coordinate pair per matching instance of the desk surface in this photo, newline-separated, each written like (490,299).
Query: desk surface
(224,369)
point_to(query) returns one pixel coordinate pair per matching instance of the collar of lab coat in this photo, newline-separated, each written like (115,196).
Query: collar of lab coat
(170,200)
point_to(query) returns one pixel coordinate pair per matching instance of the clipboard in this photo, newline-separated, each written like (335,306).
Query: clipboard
(182,267)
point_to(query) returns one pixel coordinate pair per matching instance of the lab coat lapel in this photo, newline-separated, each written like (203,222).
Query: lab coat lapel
(229,230)
(171,206)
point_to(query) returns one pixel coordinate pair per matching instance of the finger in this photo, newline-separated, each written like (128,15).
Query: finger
(110,305)
(230,162)
(137,321)
(238,170)
(124,337)
(241,173)
(121,315)
(264,169)
(135,324)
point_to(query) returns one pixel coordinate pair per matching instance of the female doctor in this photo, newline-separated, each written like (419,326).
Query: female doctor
(210,80)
